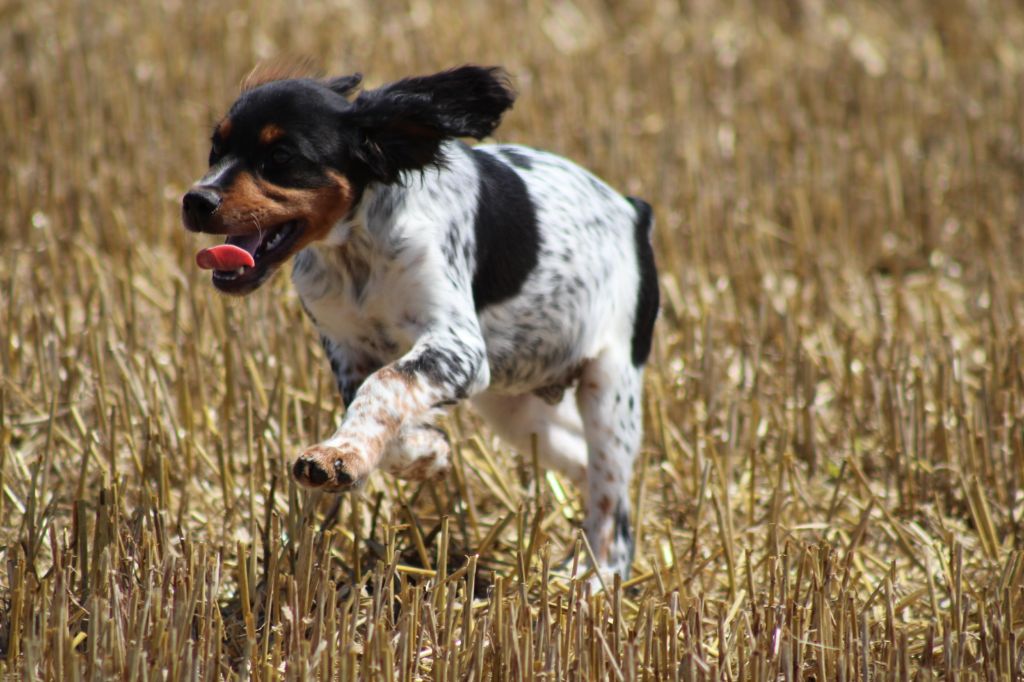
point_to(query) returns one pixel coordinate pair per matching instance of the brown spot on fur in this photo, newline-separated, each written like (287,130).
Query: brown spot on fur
(606,544)
(394,394)
(434,455)
(553,393)
(271,133)
(422,469)
(278,70)
(390,373)
(605,505)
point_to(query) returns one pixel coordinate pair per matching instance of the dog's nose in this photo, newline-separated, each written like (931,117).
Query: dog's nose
(197,205)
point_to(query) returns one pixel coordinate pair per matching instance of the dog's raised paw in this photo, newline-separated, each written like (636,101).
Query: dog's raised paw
(330,468)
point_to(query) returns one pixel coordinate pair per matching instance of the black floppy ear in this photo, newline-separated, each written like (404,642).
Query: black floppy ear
(466,101)
(403,123)
(344,85)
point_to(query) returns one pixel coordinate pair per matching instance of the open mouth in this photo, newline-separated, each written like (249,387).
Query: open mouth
(243,261)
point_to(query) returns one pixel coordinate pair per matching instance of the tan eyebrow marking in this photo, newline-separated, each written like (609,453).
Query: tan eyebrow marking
(271,133)
(224,128)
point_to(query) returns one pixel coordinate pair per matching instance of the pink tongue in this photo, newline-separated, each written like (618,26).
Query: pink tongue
(224,257)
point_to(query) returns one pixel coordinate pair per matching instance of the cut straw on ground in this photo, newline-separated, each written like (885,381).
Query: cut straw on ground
(830,485)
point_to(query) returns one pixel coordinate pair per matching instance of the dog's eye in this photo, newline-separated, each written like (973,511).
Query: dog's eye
(280,157)
(216,150)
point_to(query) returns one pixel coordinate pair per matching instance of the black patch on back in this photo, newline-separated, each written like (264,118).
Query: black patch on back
(647,298)
(507,239)
(517,158)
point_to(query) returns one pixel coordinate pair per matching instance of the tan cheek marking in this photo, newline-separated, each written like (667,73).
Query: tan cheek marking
(329,205)
(250,200)
(244,204)
(319,208)
(271,133)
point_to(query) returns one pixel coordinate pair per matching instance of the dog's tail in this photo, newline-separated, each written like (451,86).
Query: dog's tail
(647,299)
(644,216)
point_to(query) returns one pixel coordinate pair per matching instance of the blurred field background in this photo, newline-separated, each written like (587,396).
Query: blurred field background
(831,484)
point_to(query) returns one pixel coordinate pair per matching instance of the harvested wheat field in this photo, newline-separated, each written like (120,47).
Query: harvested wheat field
(831,481)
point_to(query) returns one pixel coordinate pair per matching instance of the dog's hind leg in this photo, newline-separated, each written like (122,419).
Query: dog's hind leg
(609,398)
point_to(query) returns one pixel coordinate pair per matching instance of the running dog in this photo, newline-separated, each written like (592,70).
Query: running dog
(437,273)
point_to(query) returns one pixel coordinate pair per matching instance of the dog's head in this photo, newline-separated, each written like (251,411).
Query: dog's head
(291,158)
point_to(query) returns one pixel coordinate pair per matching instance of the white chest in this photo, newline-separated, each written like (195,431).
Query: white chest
(368,310)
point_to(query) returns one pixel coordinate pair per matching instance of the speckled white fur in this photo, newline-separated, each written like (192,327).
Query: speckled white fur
(391,293)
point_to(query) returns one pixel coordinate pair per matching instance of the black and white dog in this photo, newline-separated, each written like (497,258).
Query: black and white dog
(437,273)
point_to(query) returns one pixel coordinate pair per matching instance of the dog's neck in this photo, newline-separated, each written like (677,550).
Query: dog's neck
(347,258)
(361,241)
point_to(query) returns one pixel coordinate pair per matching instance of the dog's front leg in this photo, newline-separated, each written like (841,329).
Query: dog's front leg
(442,368)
